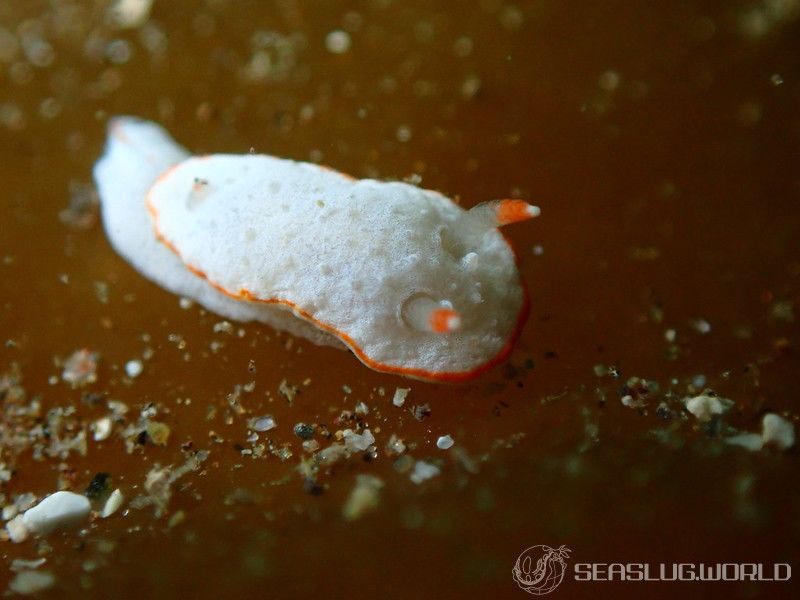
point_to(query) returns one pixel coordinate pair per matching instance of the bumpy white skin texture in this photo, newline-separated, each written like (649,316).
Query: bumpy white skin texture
(347,253)
(136,153)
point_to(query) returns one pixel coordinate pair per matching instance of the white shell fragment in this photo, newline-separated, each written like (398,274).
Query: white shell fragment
(751,441)
(357,442)
(113,503)
(129,14)
(133,368)
(337,42)
(264,423)
(400,395)
(705,406)
(363,498)
(17,531)
(405,278)
(445,442)
(28,583)
(102,428)
(775,431)
(423,471)
(778,431)
(58,511)
(23,564)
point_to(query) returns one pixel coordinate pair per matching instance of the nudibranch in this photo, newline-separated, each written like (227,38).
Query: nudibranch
(406,279)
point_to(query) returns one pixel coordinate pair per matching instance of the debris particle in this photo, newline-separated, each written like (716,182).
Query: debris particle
(664,412)
(760,18)
(363,498)
(423,471)
(644,253)
(9,511)
(157,484)
(636,392)
(699,381)
(20,564)
(224,327)
(284,453)
(102,428)
(242,496)
(601,370)
(330,455)
(751,441)
(312,487)
(421,411)
(705,406)
(159,480)
(403,133)
(130,14)
(176,519)
(119,409)
(17,531)
(445,442)
(471,87)
(774,430)
(337,41)
(80,368)
(133,368)
(701,326)
(778,431)
(462,47)
(311,445)
(81,212)
(304,431)
(395,446)
(98,486)
(609,80)
(24,501)
(355,442)
(264,423)
(158,433)
(465,460)
(511,17)
(32,582)
(403,464)
(782,310)
(100,290)
(400,396)
(274,57)
(113,504)
(288,391)
(58,511)
(119,51)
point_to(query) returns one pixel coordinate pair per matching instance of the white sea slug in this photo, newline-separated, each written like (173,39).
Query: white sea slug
(405,278)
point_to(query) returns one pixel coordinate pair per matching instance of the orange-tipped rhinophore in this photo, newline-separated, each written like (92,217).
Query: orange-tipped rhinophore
(504,212)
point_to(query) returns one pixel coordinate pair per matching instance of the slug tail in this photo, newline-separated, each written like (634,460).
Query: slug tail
(137,152)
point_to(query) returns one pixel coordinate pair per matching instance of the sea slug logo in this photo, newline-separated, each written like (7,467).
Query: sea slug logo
(540,569)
